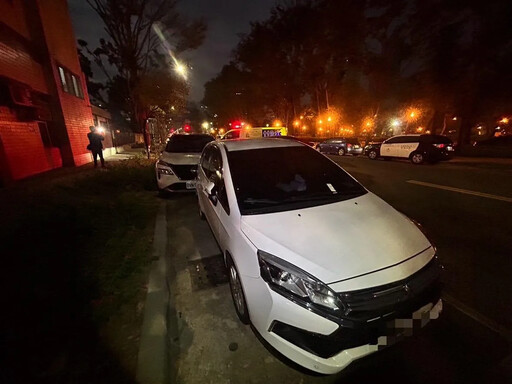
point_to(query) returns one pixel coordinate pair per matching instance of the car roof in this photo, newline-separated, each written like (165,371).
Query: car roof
(191,134)
(247,144)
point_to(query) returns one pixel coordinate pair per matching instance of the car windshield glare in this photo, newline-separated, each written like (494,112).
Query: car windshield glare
(187,143)
(277,179)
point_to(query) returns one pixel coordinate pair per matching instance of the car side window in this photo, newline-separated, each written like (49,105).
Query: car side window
(205,162)
(218,178)
(410,139)
(393,140)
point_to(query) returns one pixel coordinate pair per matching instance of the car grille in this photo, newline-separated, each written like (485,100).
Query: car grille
(185,171)
(391,299)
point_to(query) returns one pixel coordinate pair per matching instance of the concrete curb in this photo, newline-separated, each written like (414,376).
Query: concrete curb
(152,363)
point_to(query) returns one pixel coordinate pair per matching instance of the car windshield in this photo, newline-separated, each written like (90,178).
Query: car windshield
(187,143)
(288,178)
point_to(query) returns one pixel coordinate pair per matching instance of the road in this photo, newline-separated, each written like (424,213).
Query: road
(471,232)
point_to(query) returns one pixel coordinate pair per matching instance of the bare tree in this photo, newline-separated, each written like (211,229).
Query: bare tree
(141,33)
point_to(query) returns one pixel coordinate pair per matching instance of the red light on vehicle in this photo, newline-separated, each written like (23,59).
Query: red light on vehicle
(187,128)
(439,145)
(349,145)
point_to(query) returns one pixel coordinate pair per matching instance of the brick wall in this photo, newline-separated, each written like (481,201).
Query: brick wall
(59,33)
(78,119)
(24,151)
(17,64)
(12,14)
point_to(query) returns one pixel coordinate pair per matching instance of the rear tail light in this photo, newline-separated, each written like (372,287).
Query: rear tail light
(439,145)
(349,145)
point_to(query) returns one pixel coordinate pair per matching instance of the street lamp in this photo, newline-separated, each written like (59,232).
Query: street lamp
(181,69)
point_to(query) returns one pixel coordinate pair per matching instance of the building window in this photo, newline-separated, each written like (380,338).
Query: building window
(63,79)
(70,83)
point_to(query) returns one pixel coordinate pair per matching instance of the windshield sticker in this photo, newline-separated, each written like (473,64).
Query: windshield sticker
(329,185)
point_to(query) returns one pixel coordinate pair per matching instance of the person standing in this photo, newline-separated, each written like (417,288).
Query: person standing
(96,146)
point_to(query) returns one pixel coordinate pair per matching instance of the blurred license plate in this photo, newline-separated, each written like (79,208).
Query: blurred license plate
(356,146)
(190,184)
(449,148)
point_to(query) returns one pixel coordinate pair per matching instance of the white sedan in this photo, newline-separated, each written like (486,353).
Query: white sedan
(326,271)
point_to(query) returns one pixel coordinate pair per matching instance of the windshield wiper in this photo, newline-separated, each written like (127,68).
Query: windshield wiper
(250,200)
(324,196)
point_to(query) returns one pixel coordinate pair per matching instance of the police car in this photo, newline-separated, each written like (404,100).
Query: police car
(416,148)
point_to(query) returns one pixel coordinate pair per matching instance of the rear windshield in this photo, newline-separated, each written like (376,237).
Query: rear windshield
(187,143)
(279,179)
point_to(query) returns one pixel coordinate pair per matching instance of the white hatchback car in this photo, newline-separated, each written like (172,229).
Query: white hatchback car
(177,166)
(325,271)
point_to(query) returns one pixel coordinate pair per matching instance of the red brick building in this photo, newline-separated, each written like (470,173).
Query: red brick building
(45,112)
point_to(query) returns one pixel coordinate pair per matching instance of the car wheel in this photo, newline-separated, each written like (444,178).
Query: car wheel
(372,155)
(341,152)
(417,158)
(237,292)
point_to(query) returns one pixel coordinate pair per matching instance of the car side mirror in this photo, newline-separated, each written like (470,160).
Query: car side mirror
(211,191)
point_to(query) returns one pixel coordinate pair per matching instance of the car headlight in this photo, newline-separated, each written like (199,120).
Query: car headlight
(164,168)
(296,284)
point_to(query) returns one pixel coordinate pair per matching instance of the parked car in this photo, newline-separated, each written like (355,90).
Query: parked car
(416,148)
(293,228)
(340,146)
(176,168)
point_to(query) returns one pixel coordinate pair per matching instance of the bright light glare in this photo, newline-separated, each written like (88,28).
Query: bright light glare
(277,123)
(205,125)
(504,120)
(101,130)
(180,69)
(395,123)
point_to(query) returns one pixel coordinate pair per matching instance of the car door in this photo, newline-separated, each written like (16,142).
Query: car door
(325,146)
(204,177)
(220,208)
(407,145)
(389,148)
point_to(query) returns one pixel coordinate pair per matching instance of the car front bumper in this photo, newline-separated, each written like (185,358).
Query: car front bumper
(323,344)
(168,181)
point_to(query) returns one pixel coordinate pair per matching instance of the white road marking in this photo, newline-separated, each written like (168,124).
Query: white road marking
(460,190)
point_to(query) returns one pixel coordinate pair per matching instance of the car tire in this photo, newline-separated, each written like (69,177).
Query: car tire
(341,151)
(417,158)
(372,154)
(237,291)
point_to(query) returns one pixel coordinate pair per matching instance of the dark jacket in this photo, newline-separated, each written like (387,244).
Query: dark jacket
(95,141)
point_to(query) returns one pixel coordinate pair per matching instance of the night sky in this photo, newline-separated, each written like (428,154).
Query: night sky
(225,19)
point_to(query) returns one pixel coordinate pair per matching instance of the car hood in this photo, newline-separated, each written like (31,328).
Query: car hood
(338,241)
(180,158)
